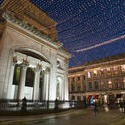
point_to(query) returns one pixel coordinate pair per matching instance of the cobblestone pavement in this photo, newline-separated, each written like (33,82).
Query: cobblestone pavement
(75,117)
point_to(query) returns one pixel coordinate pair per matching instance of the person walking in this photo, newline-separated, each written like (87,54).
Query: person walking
(56,104)
(24,104)
(124,106)
(121,103)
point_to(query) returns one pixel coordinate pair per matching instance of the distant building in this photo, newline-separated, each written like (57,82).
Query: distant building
(33,63)
(102,79)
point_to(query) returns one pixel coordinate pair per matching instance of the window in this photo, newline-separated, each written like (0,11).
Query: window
(109,84)
(115,68)
(73,79)
(73,97)
(90,86)
(89,75)
(108,71)
(95,73)
(83,77)
(123,68)
(102,85)
(17,71)
(84,86)
(79,87)
(72,87)
(102,71)
(78,98)
(78,78)
(96,85)
(124,82)
(30,75)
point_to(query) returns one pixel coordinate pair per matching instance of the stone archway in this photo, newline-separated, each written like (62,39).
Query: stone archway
(25,79)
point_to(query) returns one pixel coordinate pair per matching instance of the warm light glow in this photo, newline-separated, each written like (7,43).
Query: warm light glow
(95,72)
(110,82)
(108,69)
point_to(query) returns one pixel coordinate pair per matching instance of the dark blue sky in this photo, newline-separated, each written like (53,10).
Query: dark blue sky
(85,23)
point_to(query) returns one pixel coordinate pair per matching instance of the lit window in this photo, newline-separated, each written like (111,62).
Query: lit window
(123,67)
(110,85)
(89,75)
(108,69)
(115,68)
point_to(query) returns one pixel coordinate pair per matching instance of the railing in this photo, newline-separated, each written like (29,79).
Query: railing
(17,105)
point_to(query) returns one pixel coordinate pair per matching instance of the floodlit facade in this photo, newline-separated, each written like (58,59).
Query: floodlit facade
(102,79)
(33,63)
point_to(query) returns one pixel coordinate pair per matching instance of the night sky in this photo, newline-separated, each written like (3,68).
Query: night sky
(90,29)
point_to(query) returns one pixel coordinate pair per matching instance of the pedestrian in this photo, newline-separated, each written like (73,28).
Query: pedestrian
(24,104)
(121,105)
(124,106)
(56,104)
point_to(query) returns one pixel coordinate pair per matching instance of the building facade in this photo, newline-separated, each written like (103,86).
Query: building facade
(102,79)
(33,63)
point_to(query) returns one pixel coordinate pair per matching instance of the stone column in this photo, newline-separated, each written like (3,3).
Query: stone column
(46,85)
(36,85)
(62,89)
(66,81)
(21,86)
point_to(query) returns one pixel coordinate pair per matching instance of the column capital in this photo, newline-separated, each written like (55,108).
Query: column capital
(24,64)
(14,60)
(38,68)
(47,69)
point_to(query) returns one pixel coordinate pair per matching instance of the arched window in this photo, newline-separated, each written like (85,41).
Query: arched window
(17,71)
(30,75)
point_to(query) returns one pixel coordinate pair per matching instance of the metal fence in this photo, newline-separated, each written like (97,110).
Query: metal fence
(17,105)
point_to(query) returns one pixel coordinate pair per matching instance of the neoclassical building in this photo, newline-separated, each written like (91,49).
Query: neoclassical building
(33,63)
(103,79)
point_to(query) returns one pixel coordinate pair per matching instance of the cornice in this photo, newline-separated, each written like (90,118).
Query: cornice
(10,17)
(103,64)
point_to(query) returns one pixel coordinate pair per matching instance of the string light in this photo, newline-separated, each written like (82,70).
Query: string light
(85,23)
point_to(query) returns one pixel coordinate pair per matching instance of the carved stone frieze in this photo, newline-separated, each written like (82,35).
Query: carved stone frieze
(31,28)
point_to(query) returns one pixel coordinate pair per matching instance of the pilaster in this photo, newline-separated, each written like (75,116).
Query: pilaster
(36,84)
